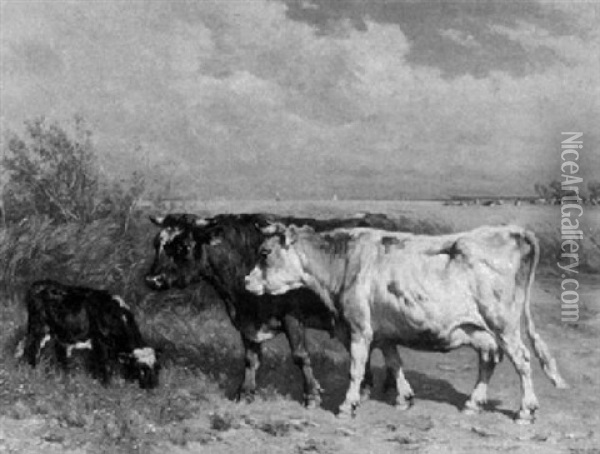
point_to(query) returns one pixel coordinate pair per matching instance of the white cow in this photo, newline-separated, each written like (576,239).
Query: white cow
(427,292)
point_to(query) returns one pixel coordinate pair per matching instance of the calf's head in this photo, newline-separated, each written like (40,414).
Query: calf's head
(279,268)
(174,251)
(142,365)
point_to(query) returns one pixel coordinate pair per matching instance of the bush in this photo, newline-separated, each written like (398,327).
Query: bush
(54,174)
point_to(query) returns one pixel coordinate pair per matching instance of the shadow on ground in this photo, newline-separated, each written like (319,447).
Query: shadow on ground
(278,374)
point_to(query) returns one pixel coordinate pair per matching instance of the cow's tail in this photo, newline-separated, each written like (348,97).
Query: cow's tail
(539,346)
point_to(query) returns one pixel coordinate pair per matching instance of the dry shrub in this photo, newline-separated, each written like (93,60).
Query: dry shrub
(99,253)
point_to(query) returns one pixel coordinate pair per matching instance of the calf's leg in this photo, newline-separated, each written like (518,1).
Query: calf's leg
(37,335)
(61,355)
(100,362)
(36,339)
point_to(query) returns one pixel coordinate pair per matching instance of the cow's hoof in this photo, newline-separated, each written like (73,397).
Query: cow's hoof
(561,384)
(525,417)
(524,421)
(403,404)
(472,408)
(471,411)
(245,396)
(344,416)
(347,411)
(311,402)
(365,394)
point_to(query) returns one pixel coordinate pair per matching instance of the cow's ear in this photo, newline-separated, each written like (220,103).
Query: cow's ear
(125,357)
(273,229)
(201,222)
(291,235)
(157,220)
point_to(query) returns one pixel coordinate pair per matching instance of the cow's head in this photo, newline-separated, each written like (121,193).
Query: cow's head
(279,268)
(174,251)
(142,365)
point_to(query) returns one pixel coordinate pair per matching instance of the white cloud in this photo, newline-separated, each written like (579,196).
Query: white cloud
(236,90)
(460,37)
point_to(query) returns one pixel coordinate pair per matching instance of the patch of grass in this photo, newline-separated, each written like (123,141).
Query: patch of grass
(200,350)
(276,427)
(223,421)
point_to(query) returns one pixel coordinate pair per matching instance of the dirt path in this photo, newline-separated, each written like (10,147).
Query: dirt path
(568,420)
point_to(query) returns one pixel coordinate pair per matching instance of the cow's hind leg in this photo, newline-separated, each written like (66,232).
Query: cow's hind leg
(489,356)
(367,383)
(521,358)
(252,362)
(296,335)
(395,379)
(61,356)
(37,335)
(359,353)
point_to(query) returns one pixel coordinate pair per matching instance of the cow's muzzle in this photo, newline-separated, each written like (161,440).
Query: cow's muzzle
(148,377)
(253,285)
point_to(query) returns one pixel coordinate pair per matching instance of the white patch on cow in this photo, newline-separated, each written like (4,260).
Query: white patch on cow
(121,302)
(20,350)
(44,341)
(87,345)
(167,235)
(262,336)
(145,356)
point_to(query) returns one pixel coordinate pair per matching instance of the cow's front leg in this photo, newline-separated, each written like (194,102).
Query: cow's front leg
(366,387)
(296,335)
(252,362)
(359,353)
(367,383)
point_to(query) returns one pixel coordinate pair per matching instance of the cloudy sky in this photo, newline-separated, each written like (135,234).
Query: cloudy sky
(310,98)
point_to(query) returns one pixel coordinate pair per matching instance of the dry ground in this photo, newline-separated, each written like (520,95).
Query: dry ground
(44,412)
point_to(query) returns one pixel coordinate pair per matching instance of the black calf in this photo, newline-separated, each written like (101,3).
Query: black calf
(84,318)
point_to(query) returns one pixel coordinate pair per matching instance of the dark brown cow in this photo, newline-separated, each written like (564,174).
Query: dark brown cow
(222,250)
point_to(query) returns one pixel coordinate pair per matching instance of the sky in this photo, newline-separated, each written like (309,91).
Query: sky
(307,99)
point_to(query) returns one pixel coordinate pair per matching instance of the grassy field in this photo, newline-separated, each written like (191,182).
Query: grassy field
(43,410)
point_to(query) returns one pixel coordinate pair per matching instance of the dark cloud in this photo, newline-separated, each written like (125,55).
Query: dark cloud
(422,21)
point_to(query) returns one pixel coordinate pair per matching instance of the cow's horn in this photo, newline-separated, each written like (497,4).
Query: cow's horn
(272,229)
(157,220)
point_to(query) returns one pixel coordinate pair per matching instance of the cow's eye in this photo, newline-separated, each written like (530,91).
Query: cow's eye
(264,253)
